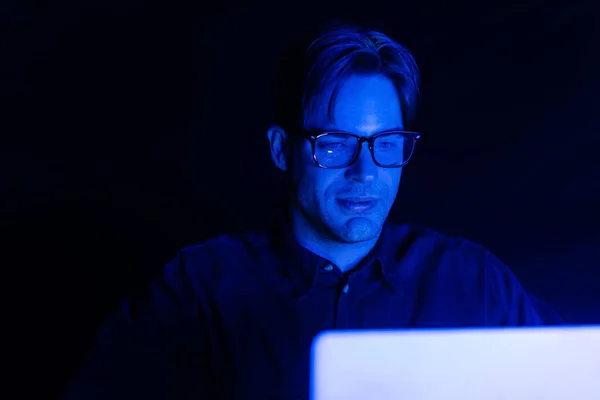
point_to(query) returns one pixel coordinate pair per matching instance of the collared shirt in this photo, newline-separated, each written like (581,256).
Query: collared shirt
(234,318)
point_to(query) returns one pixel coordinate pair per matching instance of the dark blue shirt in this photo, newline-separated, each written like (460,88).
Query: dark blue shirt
(234,317)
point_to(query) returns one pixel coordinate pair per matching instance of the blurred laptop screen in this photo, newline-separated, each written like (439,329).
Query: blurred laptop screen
(511,363)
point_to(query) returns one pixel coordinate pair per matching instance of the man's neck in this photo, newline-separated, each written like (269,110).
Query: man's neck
(345,255)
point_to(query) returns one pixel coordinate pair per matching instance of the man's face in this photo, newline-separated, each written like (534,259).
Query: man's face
(365,105)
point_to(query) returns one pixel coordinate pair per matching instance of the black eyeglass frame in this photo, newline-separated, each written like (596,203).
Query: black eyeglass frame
(313,135)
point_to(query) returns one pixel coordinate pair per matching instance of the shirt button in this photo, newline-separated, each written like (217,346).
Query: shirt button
(346,289)
(328,268)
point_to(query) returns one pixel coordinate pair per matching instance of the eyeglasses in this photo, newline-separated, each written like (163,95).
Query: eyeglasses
(336,149)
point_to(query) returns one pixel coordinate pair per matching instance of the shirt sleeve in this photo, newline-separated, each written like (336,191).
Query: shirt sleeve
(152,347)
(508,301)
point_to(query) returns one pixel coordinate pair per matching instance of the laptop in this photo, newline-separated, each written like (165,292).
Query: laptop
(466,364)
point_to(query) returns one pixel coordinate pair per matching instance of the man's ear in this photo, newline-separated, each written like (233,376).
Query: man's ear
(279,145)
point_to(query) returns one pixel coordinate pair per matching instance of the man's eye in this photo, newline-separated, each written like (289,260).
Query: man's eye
(332,145)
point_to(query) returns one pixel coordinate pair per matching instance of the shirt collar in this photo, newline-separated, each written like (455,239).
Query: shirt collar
(302,265)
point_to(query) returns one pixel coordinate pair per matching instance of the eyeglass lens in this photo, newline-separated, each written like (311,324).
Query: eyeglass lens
(339,149)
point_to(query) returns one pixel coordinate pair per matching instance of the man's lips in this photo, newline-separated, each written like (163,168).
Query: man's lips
(358,199)
(357,204)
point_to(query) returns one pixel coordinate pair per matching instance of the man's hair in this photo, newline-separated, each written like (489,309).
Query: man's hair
(316,62)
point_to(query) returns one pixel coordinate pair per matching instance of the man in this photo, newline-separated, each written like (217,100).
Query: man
(235,317)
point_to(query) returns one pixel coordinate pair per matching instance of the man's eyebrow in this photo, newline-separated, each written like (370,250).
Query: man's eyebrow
(334,129)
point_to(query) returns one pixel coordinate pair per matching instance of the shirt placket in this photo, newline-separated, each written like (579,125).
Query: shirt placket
(331,280)
(345,302)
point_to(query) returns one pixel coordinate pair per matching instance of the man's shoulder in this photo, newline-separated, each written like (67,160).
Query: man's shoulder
(429,248)
(457,267)
(414,237)
(229,244)
(219,255)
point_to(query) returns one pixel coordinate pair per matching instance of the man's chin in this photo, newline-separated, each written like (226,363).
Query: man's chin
(359,229)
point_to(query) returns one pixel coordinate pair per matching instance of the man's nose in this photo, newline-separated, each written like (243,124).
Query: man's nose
(364,168)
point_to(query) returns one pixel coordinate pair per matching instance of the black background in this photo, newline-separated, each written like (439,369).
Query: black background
(131,129)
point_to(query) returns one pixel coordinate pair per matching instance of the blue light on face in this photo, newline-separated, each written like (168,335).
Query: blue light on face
(364,106)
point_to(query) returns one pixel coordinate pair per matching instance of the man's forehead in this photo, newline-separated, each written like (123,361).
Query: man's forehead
(363,103)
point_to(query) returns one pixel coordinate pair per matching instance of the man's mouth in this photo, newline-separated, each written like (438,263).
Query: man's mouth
(357,204)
